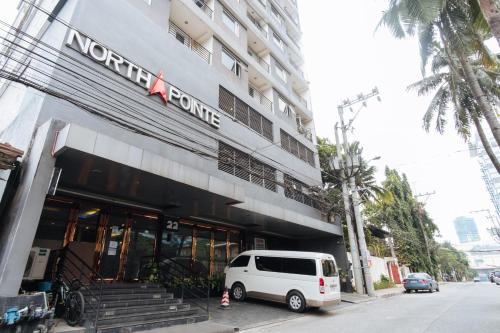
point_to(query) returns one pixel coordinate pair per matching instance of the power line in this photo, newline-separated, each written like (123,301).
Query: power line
(121,84)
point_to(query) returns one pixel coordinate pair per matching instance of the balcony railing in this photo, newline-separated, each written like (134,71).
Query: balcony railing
(207,10)
(257,25)
(260,61)
(258,96)
(185,39)
(262,3)
(297,68)
(301,99)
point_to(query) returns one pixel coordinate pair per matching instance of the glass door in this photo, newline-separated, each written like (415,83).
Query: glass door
(141,244)
(110,257)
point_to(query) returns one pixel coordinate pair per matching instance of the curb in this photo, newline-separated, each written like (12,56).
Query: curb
(391,294)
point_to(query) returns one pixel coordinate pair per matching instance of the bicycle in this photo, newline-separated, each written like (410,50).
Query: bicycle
(68,301)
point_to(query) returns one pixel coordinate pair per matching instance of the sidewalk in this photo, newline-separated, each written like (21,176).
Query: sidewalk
(382,293)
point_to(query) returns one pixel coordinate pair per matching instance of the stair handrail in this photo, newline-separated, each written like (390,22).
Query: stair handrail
(181,272)
(68,261)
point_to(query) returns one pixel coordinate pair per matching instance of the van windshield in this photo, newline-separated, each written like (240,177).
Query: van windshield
(329,268)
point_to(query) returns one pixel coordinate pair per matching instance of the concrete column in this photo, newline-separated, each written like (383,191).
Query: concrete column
(24,214)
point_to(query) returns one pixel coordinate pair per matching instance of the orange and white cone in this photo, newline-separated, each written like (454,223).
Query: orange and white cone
(224,303)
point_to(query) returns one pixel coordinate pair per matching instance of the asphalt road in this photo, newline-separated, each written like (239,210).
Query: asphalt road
(459,307)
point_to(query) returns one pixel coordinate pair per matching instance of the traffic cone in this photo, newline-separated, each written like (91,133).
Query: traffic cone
(224,303)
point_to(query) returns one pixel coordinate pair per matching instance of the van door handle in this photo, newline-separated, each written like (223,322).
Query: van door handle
(245,270)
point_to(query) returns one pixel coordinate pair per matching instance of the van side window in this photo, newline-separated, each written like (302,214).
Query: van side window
(241,261)
(328,267)
(268,264)
(299,266)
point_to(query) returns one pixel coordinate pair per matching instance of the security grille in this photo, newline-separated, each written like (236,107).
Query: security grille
(244,113)
(296,190)
(293,146)
(267,128)
(226,101)
(243,166)
(255,121)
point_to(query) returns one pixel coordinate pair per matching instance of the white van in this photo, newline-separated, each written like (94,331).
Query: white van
(299,279)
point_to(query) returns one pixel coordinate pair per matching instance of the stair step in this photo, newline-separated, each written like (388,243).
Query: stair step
(151,324)
(136,302)
(121,291)
(155,315)
(128,285)
(118,311)
(118,297)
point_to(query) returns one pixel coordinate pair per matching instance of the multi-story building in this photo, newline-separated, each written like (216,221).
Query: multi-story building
(466,229)
(489,173)
(180,128)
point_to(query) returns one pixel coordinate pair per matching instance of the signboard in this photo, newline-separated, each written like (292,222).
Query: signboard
(172,225)
(119,64)
(259,244)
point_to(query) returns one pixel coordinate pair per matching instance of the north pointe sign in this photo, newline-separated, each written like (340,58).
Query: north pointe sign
(141,77)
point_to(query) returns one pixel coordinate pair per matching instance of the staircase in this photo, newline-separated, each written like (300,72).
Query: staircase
(129,307)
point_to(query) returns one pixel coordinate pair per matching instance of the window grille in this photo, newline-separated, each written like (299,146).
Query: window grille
(296,190)
(242,165)
(294,147)
(245,114)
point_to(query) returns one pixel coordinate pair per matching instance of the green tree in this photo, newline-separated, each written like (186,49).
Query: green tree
(453,263)
(404,217)
(460,28)
(451,91)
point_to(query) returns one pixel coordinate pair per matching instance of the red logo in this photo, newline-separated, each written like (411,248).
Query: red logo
(158,87)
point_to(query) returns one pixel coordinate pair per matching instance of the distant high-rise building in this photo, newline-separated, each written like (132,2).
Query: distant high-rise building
(466,229)
(489,173)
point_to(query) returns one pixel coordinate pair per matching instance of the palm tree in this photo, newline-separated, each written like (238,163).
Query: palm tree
(451,90)
(491,12)
(455,24)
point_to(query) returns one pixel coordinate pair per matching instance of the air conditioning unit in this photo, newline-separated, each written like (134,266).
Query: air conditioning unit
(37,263)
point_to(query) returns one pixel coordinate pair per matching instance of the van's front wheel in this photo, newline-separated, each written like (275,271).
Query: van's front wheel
(238,292)
(296,301)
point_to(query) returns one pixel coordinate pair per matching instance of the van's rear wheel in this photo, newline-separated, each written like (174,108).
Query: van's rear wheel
(296,302)
(238,292)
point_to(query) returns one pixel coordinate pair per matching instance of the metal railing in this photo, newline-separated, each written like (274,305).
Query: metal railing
(204,7)
(258,96)
(178,278)
(185,39)
(257,25)
(259,60)
(301,99)
(72,268)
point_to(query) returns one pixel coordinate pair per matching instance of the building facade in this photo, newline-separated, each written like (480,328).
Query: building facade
(180,128)
(489,174)
(466,229)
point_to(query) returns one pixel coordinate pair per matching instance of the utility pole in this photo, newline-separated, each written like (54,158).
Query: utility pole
(422,229)
(353,243)
(361,98)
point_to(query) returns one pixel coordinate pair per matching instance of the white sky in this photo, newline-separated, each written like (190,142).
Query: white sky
(344,56)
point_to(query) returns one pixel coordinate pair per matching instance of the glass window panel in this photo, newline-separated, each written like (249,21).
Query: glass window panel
(141,245)
(299,266)
(234,245)
(220,251)
(268,264)
(230,22)
(241,261)
(228,61)
(202,258)
(178,244)
(52,226)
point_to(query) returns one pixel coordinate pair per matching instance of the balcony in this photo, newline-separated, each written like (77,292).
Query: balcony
(259,60)
(204,7)
(260,98)
(301,100)
(185,39)
(257,25)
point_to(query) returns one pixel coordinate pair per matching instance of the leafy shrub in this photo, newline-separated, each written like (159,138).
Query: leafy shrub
(384,283)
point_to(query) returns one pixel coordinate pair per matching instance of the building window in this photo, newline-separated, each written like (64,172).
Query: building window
(296,190)
(230,62)
(294,147)
(285,107)
(244,113)
(241,165)
(280,71)
(148,2)
(230,22)
(277,40)
(276,14)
